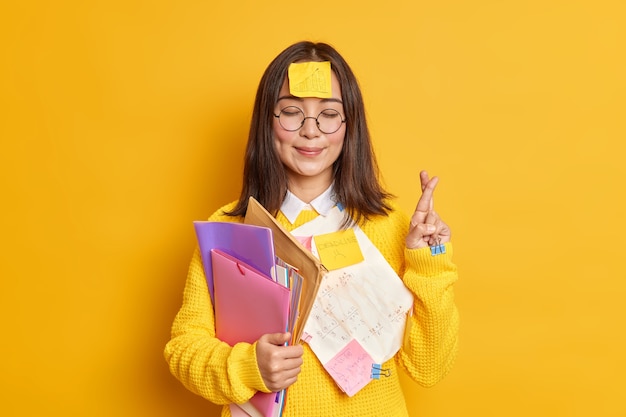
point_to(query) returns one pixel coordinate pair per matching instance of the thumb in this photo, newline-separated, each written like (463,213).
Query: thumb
(277,339)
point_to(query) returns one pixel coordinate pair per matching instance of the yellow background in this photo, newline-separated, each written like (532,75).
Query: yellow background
(124,121)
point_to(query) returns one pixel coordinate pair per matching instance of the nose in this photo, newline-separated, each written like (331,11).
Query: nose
(309,130)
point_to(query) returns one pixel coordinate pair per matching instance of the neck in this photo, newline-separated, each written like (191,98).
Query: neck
(307,189)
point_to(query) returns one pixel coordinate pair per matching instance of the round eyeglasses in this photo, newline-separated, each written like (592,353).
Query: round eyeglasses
(292,118)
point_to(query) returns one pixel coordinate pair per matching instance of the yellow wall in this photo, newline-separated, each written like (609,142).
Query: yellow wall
(124,121)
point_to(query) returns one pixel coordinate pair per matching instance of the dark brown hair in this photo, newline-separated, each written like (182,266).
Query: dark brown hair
(355,173)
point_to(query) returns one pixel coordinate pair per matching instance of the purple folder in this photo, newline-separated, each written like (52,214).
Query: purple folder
(251,244)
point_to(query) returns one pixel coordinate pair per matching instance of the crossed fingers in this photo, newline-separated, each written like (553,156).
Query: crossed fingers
(426,227)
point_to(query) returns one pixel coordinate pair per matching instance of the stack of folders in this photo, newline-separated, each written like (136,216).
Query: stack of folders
(254,291)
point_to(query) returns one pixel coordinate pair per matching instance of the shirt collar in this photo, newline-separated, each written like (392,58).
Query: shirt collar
(322,204)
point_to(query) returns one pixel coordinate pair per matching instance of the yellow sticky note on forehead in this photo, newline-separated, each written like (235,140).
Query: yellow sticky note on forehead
(310,79)
(338,249)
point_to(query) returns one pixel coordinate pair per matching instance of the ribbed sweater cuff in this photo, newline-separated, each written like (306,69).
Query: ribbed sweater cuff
(428,265)
(246,369)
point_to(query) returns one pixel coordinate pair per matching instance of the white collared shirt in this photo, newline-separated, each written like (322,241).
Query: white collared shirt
(322,204)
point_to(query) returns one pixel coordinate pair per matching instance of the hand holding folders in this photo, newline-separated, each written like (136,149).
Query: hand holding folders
(240,261)
(279,364)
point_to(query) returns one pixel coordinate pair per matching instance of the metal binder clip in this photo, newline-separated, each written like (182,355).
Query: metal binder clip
(437,249)
(378,371)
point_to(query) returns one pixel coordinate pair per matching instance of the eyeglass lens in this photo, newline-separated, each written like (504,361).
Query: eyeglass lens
(292,118)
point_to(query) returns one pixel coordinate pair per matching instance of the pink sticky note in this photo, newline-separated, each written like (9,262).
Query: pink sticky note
(351,368)
(305,240)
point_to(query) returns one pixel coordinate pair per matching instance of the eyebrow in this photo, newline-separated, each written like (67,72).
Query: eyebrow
(323,100)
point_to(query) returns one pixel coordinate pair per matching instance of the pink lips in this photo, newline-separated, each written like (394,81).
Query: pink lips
(309,151)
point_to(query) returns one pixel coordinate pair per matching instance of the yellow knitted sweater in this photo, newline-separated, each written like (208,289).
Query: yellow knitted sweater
(224,374)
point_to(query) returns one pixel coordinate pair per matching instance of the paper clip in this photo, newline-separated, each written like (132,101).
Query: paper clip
(378,371)
(437,249)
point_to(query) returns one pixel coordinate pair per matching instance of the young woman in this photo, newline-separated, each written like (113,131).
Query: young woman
(308,153)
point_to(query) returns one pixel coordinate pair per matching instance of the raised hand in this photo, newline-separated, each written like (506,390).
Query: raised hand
(426,228)
(279,365)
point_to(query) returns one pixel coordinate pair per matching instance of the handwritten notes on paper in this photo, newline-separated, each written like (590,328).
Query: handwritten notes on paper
(339,249)
(351,306)
(359,307)
(351,368)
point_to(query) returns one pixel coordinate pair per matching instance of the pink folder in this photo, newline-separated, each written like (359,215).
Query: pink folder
(248,304)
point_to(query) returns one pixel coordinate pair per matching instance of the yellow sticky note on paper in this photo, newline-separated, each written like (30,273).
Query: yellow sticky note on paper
(310,79)
(339,249)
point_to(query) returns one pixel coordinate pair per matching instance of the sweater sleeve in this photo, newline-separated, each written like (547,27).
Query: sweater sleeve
(204,364)
(431,336)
